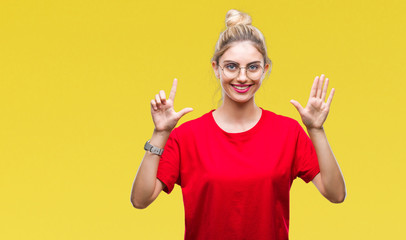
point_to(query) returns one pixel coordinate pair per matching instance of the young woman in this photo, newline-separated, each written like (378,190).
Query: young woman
(236,164)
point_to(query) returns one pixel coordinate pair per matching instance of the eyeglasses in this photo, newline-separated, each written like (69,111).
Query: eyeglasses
(232,70)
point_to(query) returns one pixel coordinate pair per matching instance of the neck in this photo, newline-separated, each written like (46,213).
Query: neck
(238,112)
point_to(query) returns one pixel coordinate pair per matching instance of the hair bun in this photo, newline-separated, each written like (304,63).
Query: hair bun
(235,17)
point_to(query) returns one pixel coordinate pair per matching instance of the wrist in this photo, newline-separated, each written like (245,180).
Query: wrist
(159,138)
(315,130)
(153,149)
(161,132)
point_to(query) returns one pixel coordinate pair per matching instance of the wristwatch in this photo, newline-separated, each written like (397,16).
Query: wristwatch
(153,149)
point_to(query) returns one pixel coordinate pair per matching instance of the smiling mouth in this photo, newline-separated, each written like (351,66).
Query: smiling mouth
(241,87)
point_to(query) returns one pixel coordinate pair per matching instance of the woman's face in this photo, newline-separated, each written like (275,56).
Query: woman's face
(236,86)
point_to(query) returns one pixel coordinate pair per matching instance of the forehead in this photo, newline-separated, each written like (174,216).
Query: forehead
(242,53)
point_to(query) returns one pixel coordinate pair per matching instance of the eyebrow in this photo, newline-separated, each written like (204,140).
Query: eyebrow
(226,61)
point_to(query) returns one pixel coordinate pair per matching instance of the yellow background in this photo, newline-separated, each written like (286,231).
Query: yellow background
(76,79)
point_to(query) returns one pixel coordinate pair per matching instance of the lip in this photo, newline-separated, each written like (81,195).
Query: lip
(241,85)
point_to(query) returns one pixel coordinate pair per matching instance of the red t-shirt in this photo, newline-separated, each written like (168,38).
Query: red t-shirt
(236,185)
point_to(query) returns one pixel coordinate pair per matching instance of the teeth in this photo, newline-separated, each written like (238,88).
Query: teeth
(241,88)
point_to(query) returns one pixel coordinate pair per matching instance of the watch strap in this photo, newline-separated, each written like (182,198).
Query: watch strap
(153,149)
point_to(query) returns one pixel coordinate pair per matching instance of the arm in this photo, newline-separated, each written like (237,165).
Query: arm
(146,186)
(330,181)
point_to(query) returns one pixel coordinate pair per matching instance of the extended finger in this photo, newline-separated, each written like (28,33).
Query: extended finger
(153,105)
(319,85)
(314,87)
(173,90)
(323,95)
(330,98)
(183,112)
(297,105)
(162,96)
(158,101)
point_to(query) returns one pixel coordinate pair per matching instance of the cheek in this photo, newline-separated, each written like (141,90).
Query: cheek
(223,83)
(223,86)
(259,82)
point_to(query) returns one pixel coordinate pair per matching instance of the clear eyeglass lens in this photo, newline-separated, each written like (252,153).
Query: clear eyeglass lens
(253,72)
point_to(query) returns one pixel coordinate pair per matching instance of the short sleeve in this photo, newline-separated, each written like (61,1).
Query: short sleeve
(169,164)
(306,165)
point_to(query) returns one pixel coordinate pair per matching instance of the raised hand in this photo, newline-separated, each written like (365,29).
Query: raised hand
(316,110)
(163,114)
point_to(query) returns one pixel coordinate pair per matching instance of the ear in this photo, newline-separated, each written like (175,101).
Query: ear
(266,67)
(215,68)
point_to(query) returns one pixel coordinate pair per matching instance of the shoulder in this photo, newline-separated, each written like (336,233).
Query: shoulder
(283,127)
(280,120)
(196,124)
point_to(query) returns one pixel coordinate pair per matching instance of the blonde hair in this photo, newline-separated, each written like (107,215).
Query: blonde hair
(239,28)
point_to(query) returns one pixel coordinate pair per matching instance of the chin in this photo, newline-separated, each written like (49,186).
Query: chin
(241,100)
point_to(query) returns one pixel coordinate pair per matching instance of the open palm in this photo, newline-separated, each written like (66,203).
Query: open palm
(315,113)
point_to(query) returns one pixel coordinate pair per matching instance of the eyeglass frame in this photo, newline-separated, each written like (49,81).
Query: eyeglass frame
(239,71)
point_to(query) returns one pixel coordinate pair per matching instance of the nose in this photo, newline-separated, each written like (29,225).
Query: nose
(242,75)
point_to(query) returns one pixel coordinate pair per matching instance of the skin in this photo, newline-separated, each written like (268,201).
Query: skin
(146,187)
(330,181)
(239,113)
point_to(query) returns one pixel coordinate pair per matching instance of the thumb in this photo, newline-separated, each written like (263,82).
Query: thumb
(182,112)
(297,105)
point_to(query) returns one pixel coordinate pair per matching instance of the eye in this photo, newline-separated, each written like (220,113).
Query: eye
(231,67)
(253,67)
